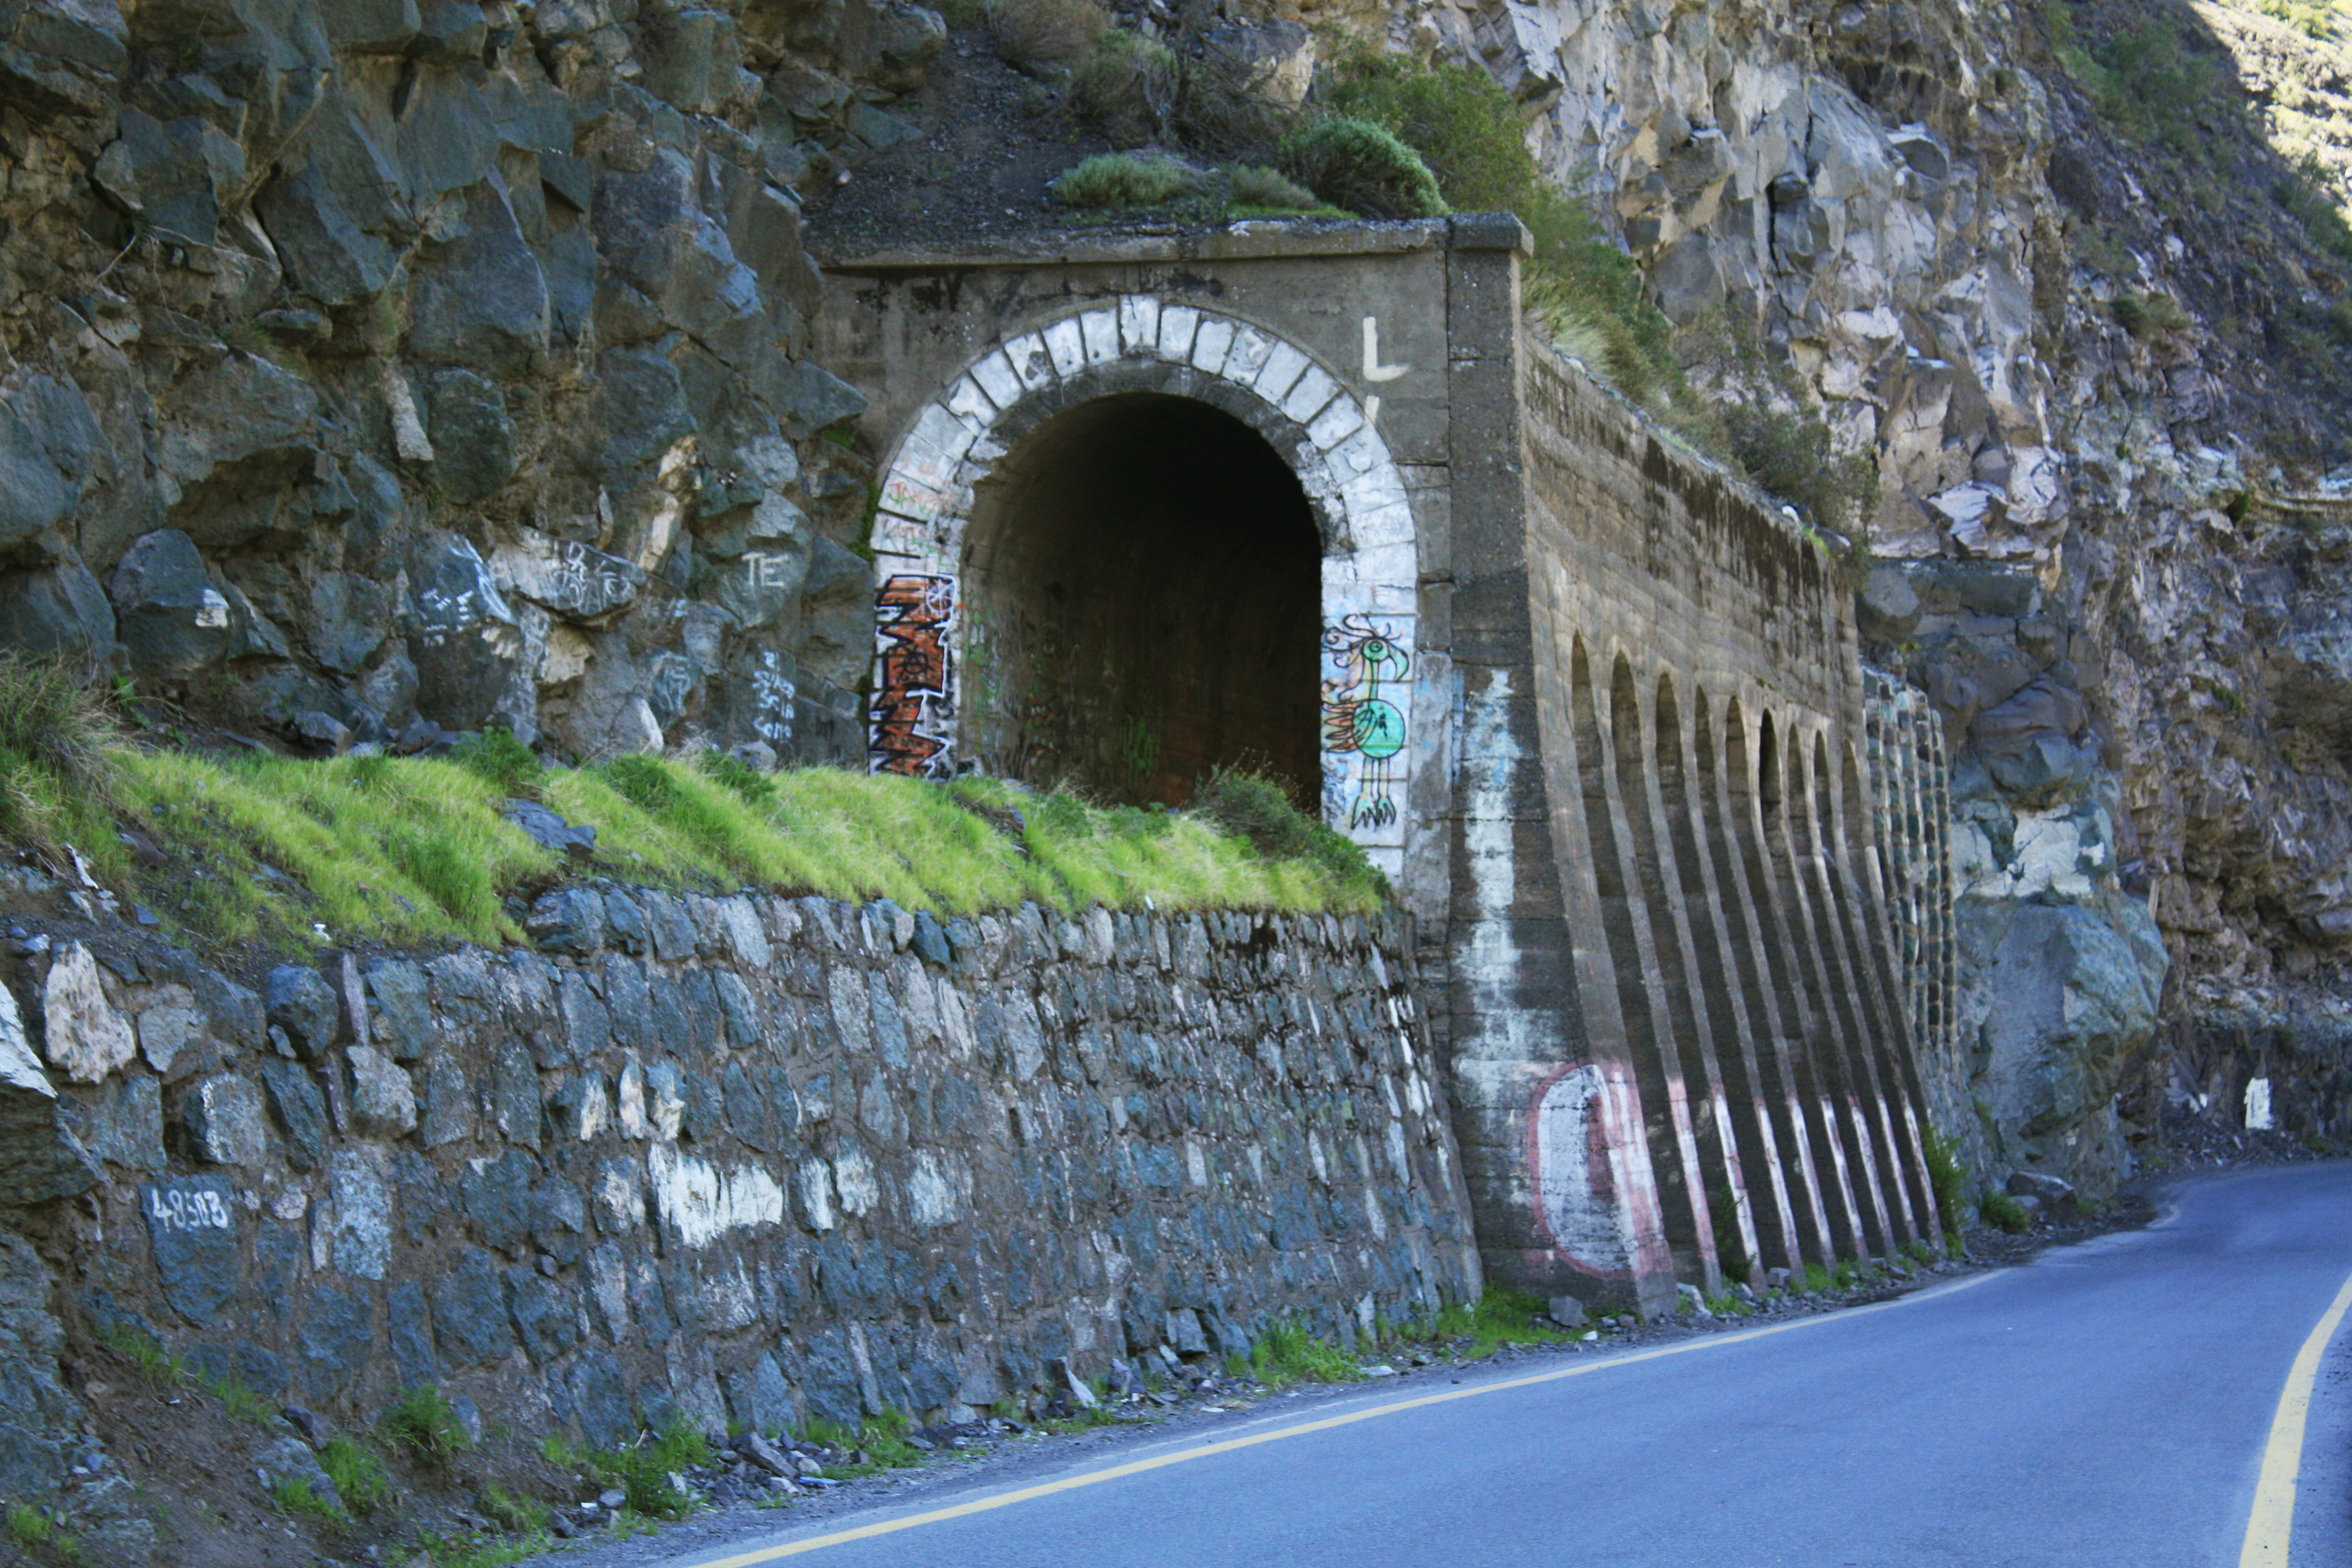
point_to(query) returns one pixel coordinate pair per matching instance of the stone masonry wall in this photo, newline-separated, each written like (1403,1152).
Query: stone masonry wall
(745,1158)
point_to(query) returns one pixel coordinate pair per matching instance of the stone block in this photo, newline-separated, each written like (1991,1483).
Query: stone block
(383,1100)
(192,1233)
(300,1002)
(83,1036)
(300,1109)
(226,1121)
(469,1314)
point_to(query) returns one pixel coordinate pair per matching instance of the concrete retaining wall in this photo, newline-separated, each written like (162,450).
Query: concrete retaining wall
(744,1157)
(1681,1037)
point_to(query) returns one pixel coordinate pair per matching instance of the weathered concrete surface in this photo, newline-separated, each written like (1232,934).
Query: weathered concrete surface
(1632,796)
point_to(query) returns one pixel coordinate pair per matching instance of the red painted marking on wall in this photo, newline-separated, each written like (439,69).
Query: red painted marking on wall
(912,701)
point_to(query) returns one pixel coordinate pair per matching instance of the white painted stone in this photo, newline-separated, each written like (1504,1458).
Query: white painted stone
(2258,1105)
(608,1284)
(997,378)
(854,1179)
(1340,419)
(728,1298)
(87,1037)
(1031,362)
(618,1208)
(1210,342)
(1178,324)
(1196,1161)
(1066,342)
(1308,394)
(20,1069)
(933,1192)
(1285,365)
(744,934)
(816,1193)
(359,1243)
(701,1202)
(1139,324)
(633,1099)
(1371,490)
(1380,525)
(595,1109)
(955,1024)
(970,405)
(1247,356)
(1100,331)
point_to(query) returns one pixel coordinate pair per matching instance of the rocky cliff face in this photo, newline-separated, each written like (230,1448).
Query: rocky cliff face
(373,363)
(2095,342)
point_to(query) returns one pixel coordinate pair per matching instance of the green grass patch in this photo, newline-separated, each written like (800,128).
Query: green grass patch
(511,1511)
(468,1552)
(644,1471)
(2000,1210)
(240,1403)
(293,852)
(161,1367)
(425,1420)
(292,1496)
(1286,1353)
(1501,1317)
(1948,1177)
(882,1439)
(28,1526)
(359,1476)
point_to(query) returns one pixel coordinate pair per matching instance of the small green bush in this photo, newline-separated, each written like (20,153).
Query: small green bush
(359,1476)
(2148,317)
(752,787)
(1791,454)
(1356,164)
(1948,1177)
(511,1511)
(1123,84)
(58,759)
(1252,186)
(426,1420)
(1465,125)
(1124,180)
(498,758)
(2000,1210)
(291,1495)
(1038,35)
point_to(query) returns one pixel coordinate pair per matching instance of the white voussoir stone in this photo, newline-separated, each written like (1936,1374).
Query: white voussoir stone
(87,1037)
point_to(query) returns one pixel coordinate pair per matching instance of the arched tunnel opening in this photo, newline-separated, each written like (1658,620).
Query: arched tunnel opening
(1143,582)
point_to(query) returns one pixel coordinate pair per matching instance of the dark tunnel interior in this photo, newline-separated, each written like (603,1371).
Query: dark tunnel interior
(1143,575)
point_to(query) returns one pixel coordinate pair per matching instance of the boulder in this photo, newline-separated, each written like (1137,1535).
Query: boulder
(58,610)
(39,1158)
(229,432)
(325,252)
(168,176)
(167,611)
(479,300)
(473,439)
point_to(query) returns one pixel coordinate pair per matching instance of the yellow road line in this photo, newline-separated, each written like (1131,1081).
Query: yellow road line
(1229,1444)
(2272,1524)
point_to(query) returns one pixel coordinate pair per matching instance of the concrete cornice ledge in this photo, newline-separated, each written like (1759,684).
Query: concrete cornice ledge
(1243,239)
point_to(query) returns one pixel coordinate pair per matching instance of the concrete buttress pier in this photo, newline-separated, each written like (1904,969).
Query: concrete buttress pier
(1310,499)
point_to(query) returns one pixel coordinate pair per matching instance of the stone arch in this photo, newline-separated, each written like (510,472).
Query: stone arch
(1138,346)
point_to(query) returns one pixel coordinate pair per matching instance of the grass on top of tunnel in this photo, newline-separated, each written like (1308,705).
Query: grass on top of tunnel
(288,852)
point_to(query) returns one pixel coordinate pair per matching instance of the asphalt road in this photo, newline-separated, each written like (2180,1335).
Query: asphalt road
(2108,1404)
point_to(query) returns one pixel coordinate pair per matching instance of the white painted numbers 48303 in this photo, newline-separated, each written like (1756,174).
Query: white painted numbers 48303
(181,1210)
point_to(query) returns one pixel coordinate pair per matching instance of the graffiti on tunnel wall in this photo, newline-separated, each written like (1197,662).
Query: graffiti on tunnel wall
(912,719)
(1364,706)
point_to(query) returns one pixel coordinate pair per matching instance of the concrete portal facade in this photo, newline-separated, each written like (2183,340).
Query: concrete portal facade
(1148,505)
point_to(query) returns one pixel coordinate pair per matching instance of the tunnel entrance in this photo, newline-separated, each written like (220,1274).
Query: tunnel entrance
(1142,582)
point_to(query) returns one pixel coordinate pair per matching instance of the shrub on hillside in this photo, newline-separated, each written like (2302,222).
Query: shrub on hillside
(1356,164)
(1250,186)
(1124,180)
(1123,84)
(1034,35)
(56,755)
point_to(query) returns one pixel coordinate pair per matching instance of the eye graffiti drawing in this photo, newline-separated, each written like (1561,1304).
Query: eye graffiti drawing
(1358,718)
